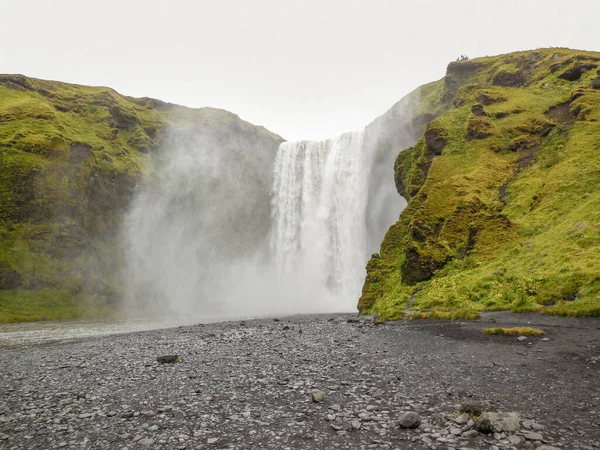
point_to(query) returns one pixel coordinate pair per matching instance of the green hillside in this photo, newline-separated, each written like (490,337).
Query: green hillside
(503,191)
(71,158)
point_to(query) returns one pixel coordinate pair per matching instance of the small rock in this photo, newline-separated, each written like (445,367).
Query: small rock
(462,419)
(533,436)
(470,433)
(212,440)
(146,442)
(522,338)
(168,359)
(355,424)
(409,420)
(318,397)
(514,440)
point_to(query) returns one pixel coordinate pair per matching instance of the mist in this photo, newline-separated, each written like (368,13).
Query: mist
(230,224)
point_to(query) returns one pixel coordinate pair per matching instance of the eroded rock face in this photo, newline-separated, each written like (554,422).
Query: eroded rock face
(574,73)
(436,138)
(595,83)
(477,110)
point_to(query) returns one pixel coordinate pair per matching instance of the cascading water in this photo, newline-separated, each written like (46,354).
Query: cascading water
(318,237)
(233,224)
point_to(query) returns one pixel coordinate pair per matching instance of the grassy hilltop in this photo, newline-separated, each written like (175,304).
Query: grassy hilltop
(71,158)
(503,190)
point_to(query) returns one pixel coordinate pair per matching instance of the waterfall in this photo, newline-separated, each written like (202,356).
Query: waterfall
(231,223)
(318,235)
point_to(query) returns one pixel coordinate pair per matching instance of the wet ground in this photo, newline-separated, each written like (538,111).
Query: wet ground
(249,385)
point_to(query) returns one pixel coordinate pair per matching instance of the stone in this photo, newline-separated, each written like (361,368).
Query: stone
(409,420)
(522,338)
(168,359)
(533,436)
(495,422)
(515,440)
(470,433)
(355,424)
(146,442)
(462,419)
(212,441)
(474,408)
(318,397)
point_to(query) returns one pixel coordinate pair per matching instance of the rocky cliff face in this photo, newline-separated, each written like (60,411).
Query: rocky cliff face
(503,193)
(71,158)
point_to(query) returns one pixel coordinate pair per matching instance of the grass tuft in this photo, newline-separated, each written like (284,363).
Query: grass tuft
(517,331)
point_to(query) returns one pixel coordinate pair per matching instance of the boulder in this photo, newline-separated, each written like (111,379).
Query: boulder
(496,422)
(409,420)
(473,408)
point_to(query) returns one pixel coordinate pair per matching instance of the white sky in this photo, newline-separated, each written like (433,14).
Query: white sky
(304,69)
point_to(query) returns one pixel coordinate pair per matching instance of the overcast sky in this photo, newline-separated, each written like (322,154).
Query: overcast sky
(304,69)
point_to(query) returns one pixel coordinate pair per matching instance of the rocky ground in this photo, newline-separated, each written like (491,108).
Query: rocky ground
(253,385)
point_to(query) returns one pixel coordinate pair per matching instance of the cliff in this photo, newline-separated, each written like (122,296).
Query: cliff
(71,159)
(503,192)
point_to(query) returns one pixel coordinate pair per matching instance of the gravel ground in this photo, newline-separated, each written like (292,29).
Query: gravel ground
(250,385)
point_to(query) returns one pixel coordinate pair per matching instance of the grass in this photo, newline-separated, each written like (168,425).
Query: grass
(508,221)
(459,314)
(517,331)
(50,304)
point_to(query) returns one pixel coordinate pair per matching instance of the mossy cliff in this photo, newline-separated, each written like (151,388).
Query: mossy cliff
(71,158)
(503,192)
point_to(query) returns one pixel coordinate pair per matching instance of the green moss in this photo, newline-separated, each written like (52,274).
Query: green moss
(50,304)
(506,215)
(70,159)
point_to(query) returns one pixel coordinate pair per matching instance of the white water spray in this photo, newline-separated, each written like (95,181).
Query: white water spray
(318,238)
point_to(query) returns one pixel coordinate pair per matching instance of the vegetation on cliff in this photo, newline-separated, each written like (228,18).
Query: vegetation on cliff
(71,158)
(503,192)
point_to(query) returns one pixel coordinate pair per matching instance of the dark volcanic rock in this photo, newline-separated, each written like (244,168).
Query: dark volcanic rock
(168,359)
